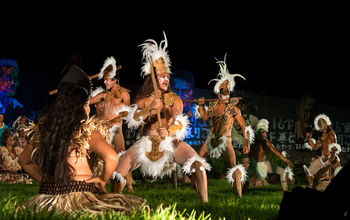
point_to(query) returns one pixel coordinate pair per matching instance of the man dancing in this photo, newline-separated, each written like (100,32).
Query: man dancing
(322,123)
(110,103)
(159,111)
(259,167)
(222,113)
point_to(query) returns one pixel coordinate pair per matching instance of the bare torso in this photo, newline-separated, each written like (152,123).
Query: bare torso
(167,113)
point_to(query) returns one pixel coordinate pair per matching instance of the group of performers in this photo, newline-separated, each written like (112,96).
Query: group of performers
(74,155)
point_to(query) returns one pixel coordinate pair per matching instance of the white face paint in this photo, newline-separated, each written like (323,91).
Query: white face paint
(225,98)
(163,82)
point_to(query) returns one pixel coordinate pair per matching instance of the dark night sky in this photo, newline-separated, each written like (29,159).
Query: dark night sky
(278,55)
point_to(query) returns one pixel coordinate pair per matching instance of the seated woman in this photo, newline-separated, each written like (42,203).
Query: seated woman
(10,169)
(58,155)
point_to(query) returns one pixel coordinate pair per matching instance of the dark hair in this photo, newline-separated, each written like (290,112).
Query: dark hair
(147,88)
(5,135)
(57,129)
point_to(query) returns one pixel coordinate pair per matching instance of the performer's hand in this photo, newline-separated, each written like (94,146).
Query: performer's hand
(245,149)
(163,132)
(98,182)
(289,164)
(156,104)
(201,101)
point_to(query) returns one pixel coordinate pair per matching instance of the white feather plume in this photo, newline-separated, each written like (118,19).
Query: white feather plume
(243,171)
(97,91)
(223,76)
(107,62)
(323,116)
(151,49)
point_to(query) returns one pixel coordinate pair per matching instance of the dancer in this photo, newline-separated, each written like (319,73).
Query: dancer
(58,156)
(110,105)
(259,167)
(159,112)
(222,113)
(109,100)
(322,123)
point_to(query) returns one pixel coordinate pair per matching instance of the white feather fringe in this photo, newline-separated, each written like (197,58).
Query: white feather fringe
(337,146)
(230,171)
(97,91)
(306,145)
(183,119)
(107,62)
(323,116)
(186,168)
(249,132)
(288,173)
(117,176)
(131,122)
(164,165)
(261,168)
(216,152)
(122,108)
(112,131)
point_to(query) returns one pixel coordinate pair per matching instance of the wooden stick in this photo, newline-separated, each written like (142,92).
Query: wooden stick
(208,100)
(156,92)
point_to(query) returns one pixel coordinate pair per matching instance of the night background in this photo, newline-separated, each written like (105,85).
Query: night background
(282,55)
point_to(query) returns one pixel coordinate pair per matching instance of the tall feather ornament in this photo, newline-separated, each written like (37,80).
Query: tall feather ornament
(224,75)
(151,49)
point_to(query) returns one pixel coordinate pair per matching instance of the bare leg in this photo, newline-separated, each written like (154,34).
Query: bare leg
(118,142)
(204,149)
(182,154)
(125,165)
(237,176)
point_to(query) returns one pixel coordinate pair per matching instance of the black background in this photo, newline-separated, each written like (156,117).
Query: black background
(280,53)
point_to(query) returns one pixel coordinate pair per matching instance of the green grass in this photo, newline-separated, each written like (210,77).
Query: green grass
(166,202)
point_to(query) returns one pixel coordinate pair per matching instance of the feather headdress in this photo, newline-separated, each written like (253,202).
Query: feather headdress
(109,67)
(325,118)
(223,76)
(263,125)
(151,51)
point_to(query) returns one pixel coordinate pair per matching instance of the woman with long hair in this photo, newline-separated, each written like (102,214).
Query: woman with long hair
(61,148)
